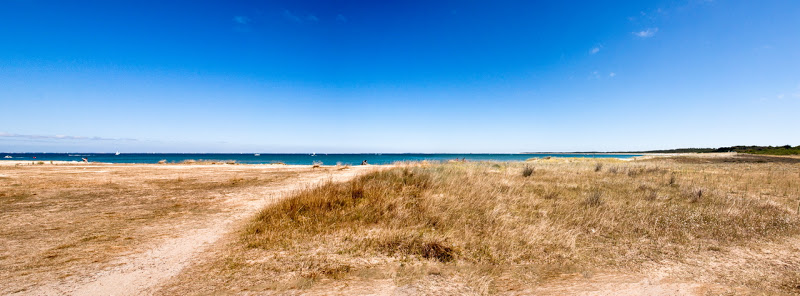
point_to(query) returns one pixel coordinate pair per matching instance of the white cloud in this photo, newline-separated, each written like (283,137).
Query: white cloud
(288,15)
(595,49)
(242,20)
(60,137)
(341,18)
(646,33)
(612,74)
(297,19)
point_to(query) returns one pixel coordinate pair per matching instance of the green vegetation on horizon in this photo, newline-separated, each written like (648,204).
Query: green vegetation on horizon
(766,150)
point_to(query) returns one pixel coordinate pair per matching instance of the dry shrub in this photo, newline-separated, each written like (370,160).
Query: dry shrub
(593,199)
(527,171)
(693,195)
(416,245)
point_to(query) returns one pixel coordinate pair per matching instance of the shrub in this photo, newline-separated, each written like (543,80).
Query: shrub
(527,171)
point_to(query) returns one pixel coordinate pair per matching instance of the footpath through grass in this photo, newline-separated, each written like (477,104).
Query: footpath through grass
(496,226)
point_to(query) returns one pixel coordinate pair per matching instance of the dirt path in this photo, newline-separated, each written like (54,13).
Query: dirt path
(142,273)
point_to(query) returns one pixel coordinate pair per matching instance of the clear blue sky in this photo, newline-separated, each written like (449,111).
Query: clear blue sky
(409,76)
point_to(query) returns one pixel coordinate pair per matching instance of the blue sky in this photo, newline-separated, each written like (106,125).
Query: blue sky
(409,76)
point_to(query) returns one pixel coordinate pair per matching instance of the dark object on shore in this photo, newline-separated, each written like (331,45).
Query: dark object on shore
(364,162)
(85,160)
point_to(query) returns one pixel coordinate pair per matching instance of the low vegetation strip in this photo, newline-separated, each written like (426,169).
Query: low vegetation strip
(766,150)
(533,220)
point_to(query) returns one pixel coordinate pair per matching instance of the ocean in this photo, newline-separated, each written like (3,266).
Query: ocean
(296,159)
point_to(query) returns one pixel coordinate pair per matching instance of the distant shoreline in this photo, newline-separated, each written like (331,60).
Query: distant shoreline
(599,153)
(293,159)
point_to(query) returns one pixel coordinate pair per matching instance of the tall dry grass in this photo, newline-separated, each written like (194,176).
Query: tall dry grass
(509,227)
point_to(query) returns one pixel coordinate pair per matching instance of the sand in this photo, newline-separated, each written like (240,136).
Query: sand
(142,272)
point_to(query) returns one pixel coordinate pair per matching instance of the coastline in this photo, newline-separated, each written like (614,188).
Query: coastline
(289,159)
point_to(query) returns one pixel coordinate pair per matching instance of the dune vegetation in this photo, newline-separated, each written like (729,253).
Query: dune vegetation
(764,150)
(486,228)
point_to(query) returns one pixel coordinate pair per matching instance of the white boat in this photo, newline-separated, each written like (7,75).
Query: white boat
(116,153)
(313,154)
(256,154)
(8,156)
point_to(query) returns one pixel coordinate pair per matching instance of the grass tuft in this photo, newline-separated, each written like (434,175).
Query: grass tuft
(527,171)
(593,199)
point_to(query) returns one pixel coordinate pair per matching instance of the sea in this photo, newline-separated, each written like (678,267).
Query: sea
(293,159)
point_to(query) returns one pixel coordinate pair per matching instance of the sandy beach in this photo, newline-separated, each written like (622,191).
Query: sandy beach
(92,229)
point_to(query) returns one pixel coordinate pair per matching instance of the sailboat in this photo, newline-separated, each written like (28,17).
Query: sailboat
(8,156)
(257,154)
(313,154)
(116,153)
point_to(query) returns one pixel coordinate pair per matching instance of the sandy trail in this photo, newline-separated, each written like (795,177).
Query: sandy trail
(142,273)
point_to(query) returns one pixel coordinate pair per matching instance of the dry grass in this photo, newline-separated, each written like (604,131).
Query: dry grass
(59,220)
(492,229)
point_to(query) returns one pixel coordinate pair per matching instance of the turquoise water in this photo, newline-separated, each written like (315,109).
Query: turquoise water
(301,159)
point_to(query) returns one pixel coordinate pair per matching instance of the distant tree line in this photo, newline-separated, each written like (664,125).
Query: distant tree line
(770,150)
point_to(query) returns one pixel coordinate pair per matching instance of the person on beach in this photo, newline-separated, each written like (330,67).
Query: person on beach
(86,160)
(364,162)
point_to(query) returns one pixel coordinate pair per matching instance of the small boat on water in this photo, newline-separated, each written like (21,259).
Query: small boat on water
(313,154)
(116,153)
(256,154)
(8,156)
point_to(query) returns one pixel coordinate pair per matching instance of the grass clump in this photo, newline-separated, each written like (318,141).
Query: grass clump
(593,199)
(527,171)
